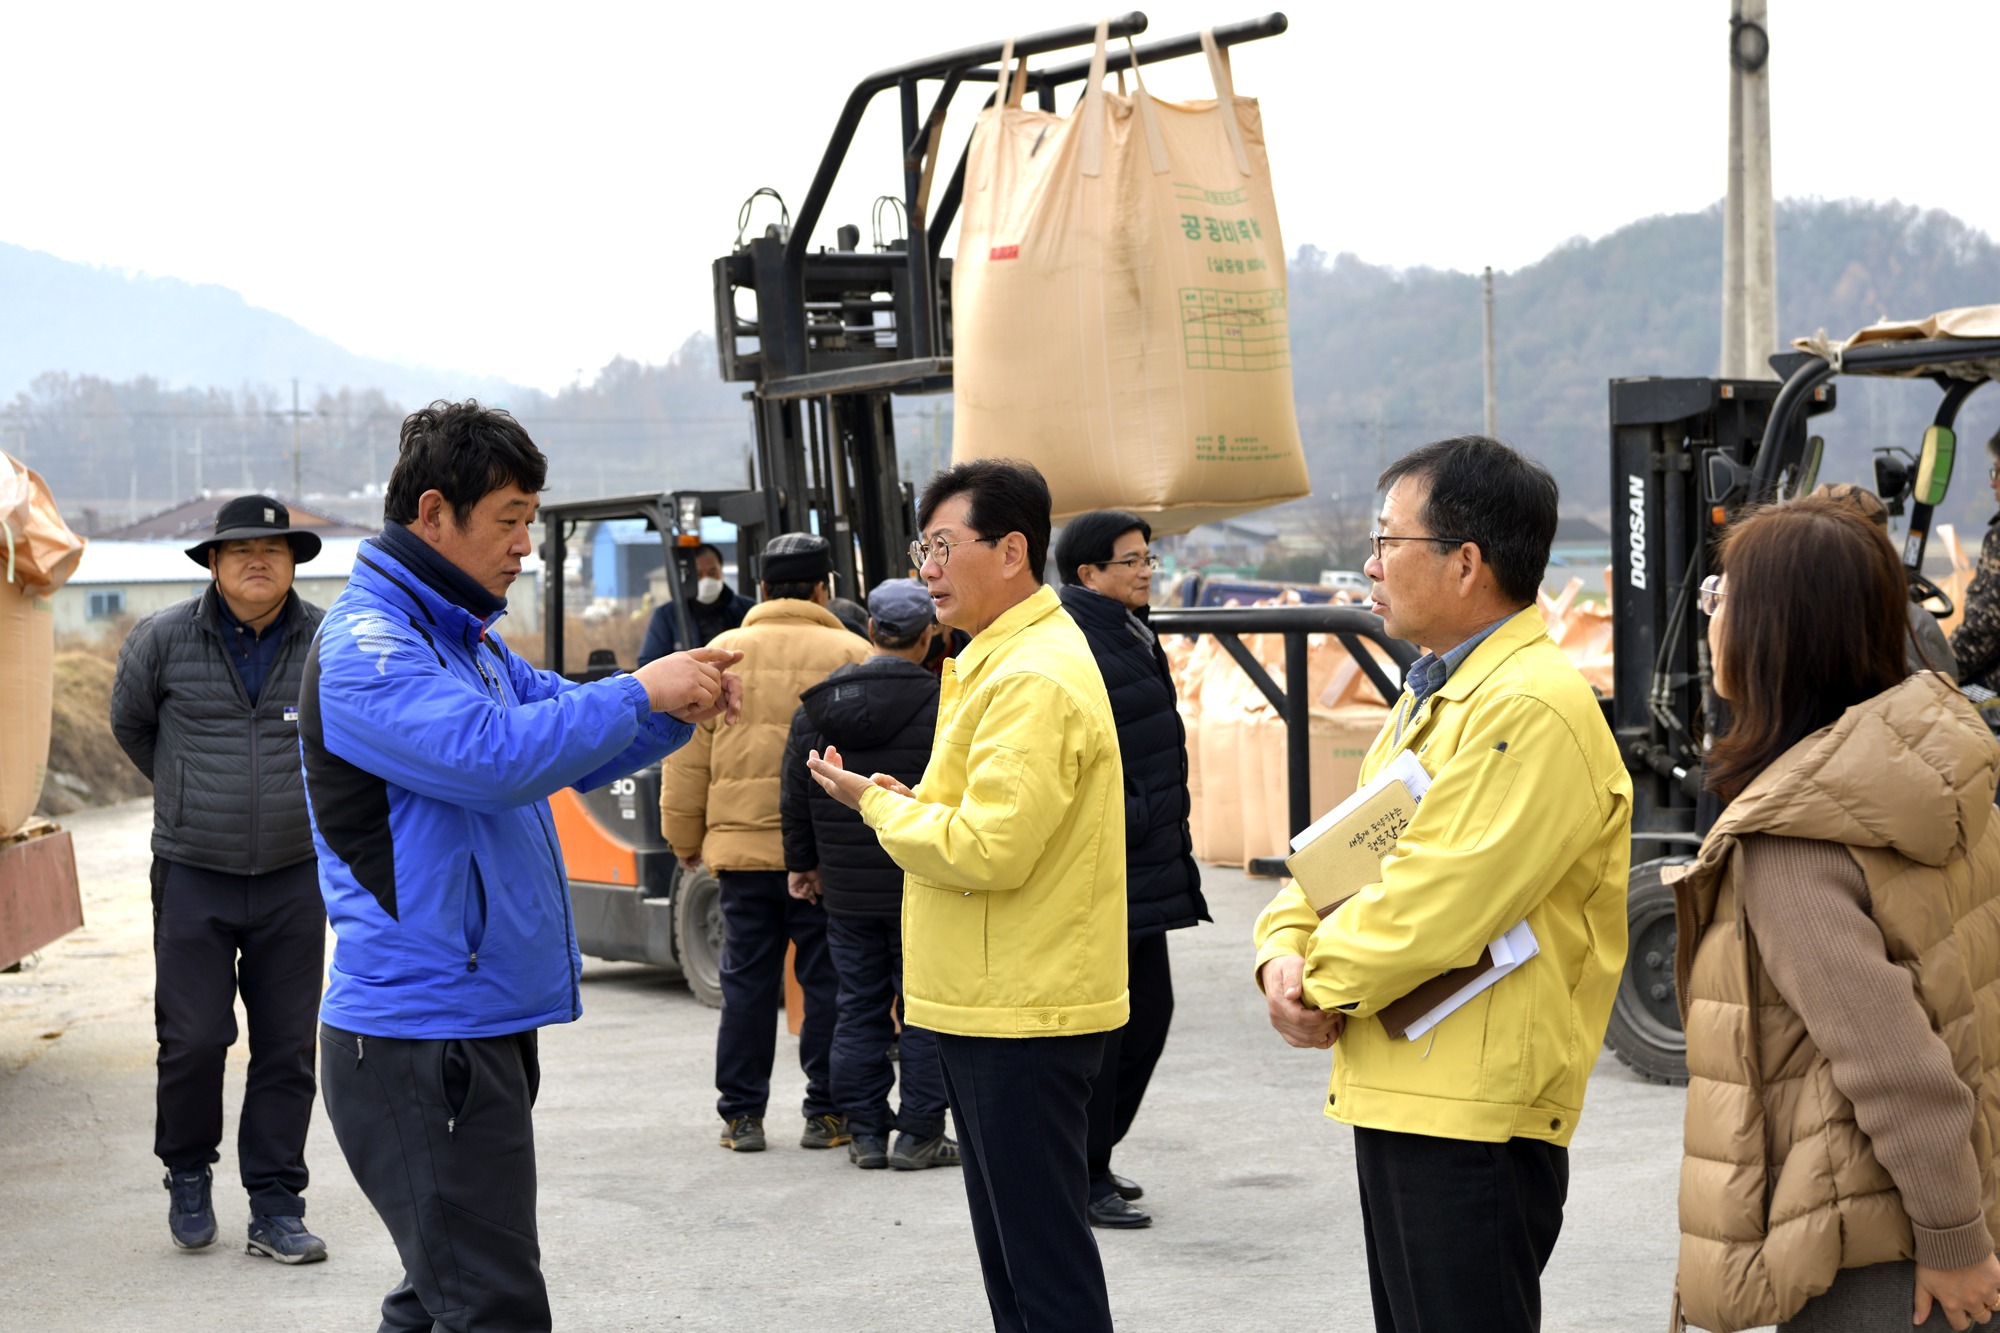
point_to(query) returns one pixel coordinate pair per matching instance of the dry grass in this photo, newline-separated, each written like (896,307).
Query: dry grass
(86,767)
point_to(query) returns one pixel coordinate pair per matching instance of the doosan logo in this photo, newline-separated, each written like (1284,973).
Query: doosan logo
(1005,252)
(1635,526)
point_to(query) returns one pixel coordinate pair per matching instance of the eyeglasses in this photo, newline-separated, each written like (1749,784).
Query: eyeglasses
(1710,597)
(1130,561)
(1993,473)
(1376,539)
(924,552)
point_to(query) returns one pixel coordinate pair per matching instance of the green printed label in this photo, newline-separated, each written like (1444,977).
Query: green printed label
(1225,448)
(1189,192)
(1221,231)
(1223,330)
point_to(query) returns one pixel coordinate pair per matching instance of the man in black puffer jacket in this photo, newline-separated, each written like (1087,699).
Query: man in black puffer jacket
(206,704)
(1107,574)
(881,714)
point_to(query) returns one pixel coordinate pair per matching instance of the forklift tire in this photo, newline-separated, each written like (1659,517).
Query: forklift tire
(1645,1032)
(698,934)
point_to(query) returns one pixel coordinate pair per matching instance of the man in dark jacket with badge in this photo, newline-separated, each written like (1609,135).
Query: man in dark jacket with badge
(206,705)
(881,714)
(1107,574)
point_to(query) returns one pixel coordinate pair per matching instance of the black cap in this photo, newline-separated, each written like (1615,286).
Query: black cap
(796,557)
(251,516)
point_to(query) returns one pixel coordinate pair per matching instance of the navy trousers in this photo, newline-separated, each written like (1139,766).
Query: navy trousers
(1458,1232)
(214,935)
(759,917)
(1130,1053)
(440,1135)
(868,956)
(1019,1103)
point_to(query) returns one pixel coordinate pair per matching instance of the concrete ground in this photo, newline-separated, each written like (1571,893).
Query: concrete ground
(646,1224)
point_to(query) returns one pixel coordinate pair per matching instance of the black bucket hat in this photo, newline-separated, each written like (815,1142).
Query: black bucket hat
(249,516)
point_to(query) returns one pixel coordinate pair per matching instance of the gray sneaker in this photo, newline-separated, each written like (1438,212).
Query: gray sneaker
(744,1134)
(870,1152)
(914,1154)
(284,1239)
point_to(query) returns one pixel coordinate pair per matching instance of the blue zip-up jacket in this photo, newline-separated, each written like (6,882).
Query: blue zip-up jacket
(430,753)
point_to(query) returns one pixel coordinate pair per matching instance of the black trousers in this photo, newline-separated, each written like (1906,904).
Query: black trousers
(440,1136)
(868,957)
(215,935)
(758,917)
(1019,1106)
(1458,1232)
(1130,1053)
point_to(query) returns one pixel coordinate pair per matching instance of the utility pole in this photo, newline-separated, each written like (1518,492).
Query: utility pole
(298,485)
(199,489)
(174,466)
(1492,381)
(1749,219)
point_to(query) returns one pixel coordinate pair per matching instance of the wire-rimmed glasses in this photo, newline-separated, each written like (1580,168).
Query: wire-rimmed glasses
(921,553)
(1375,540)
(1709,598)
(1149,560)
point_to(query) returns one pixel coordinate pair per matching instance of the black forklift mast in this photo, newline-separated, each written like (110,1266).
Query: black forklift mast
(1684,460)
(830,335)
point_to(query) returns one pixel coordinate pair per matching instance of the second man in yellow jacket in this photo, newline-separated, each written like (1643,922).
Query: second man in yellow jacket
(1014,901)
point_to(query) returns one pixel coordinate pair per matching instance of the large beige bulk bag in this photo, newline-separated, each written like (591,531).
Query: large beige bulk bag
(1119,304)
(27,672)
(38,553)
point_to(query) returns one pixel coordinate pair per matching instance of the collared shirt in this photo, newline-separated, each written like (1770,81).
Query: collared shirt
(251,653)
(1428,673)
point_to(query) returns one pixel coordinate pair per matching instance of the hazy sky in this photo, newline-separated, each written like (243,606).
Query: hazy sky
(530,190)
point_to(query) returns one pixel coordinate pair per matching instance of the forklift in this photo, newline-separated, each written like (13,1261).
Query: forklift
(826,339)
(1688,457)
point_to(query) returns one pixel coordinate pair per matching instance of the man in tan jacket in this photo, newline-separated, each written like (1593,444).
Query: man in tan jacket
(719,804)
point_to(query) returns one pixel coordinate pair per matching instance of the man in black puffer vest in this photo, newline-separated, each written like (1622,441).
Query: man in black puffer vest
(206,704)
(881,714)
(1107,574)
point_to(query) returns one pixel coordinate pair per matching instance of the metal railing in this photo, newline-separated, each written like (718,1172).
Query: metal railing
(1293,703)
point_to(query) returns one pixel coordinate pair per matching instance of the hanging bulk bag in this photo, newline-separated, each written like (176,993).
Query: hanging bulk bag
(1119,303)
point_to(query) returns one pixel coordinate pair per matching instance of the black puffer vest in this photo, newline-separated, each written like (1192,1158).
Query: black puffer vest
(1162,882)
(227,790)
(881,714)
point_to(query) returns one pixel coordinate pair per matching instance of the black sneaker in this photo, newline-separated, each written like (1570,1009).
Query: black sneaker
(870,1152)
(190,1214)
(1114,1212)
(284,1239)
(824,1131)
(1127,1190)
(914,1154)
(744,1134)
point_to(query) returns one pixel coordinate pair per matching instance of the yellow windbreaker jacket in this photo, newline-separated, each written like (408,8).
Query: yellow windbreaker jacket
(1014,848)
(1529,815)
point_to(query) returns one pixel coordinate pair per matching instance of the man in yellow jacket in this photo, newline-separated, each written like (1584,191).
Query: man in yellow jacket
(719,806)
(1013,848)
(1461,1136)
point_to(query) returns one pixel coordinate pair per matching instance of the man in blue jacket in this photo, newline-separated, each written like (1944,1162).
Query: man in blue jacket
(430,753)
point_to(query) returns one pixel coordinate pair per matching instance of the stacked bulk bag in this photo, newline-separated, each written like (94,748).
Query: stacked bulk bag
(1119,304)
(38,553)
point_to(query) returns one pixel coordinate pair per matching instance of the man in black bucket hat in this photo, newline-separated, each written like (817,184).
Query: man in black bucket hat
(206,704)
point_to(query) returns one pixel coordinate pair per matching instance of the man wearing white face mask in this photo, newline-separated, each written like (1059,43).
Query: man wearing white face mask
(717,607)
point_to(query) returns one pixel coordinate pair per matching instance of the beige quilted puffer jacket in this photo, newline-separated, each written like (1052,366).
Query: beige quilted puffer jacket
(1779,1187)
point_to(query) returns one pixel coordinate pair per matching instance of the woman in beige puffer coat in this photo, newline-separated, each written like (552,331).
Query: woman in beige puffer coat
(1838,964)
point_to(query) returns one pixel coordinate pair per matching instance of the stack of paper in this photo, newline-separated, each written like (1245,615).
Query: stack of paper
(1342,852)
